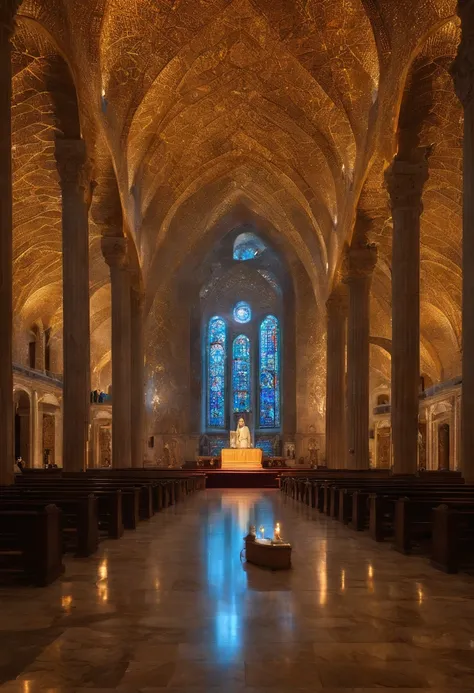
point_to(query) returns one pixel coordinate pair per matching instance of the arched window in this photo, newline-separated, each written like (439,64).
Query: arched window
(247,246)
(269,373)
(241,373)
(216,346)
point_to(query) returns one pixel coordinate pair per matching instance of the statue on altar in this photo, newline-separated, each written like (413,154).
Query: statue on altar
(242,435)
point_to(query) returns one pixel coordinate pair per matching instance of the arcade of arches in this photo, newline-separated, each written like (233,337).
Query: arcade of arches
(140,140)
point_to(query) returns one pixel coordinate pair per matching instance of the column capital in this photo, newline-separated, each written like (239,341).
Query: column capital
(405,180)
(337,302)
(115,251)
(462,69)
(359,262)
(74,167)
(8,10)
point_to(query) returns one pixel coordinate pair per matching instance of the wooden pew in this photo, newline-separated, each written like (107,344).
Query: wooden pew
(130,495)
(453,538)
(79,520)
(382,505)
(110,501)
(30,545)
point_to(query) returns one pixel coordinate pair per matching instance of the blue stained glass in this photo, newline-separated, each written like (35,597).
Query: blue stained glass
(216,446)
(242,312)
(270,373)
(216,372)
(247,246)
(241,373)
(266,446)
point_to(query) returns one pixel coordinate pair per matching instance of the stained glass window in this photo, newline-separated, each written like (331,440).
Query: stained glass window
(247,246)
(242,312)
(216,446)
(241,373)
(216,372)
(265,445)
(270,373)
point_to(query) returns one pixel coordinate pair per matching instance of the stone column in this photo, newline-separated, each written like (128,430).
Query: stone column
(360,263)
(429,439)
(138,377)
(405,181)
(75,186)
(463,75)
(35,431)
(8,10)
(114,250)
(336,448)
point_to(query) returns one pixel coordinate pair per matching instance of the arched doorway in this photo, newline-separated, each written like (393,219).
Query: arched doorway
(23,446)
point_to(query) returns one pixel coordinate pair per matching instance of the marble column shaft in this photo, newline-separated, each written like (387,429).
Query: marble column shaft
(7,14)
(336,447)
(138,378)
(359,267)
(114,250)
(463,75)
(75,185)
(405,181)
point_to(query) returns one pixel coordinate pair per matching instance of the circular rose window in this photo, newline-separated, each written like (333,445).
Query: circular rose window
(242,312)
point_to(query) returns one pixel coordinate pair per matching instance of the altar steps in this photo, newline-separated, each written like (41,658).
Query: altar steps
(238,478)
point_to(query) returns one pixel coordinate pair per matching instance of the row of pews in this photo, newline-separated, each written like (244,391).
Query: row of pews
(46,514)
(432,514)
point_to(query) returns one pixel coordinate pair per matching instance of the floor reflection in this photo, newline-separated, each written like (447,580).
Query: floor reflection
(224,524)
(172,606)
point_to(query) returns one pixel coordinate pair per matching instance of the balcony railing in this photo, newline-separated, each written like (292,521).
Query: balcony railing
(45,376)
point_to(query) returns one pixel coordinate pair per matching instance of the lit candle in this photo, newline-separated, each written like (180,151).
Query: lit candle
(277,532)
(262,531)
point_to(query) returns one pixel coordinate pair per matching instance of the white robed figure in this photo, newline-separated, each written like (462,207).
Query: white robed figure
(242,435)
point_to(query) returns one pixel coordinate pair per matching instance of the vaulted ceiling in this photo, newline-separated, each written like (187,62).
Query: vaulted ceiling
(192,109)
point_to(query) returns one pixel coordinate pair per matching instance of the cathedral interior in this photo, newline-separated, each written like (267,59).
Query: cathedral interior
(221,208)
(204,120)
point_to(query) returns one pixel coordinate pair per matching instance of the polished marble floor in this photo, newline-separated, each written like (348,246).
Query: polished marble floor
(172,606)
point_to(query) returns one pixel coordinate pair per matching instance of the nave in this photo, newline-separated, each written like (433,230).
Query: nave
(172,606)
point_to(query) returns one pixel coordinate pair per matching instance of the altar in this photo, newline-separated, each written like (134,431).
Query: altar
(241,458)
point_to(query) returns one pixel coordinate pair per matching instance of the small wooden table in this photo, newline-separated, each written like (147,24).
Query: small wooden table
(268,554)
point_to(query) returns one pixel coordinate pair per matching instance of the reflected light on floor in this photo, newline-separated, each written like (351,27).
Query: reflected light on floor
(419,590)
(226,576)
(343,580)
(103,573)
(103,592)
(370,578)
(323,574)
(66,602)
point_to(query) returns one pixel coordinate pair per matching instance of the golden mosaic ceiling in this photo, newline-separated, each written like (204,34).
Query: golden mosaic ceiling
(287,109)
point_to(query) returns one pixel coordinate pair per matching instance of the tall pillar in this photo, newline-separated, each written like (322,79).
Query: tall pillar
(405,181)
(137,400)
(8,10)
(75,186)
(336,448)
(114,250)
(360,263)
(463,75)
